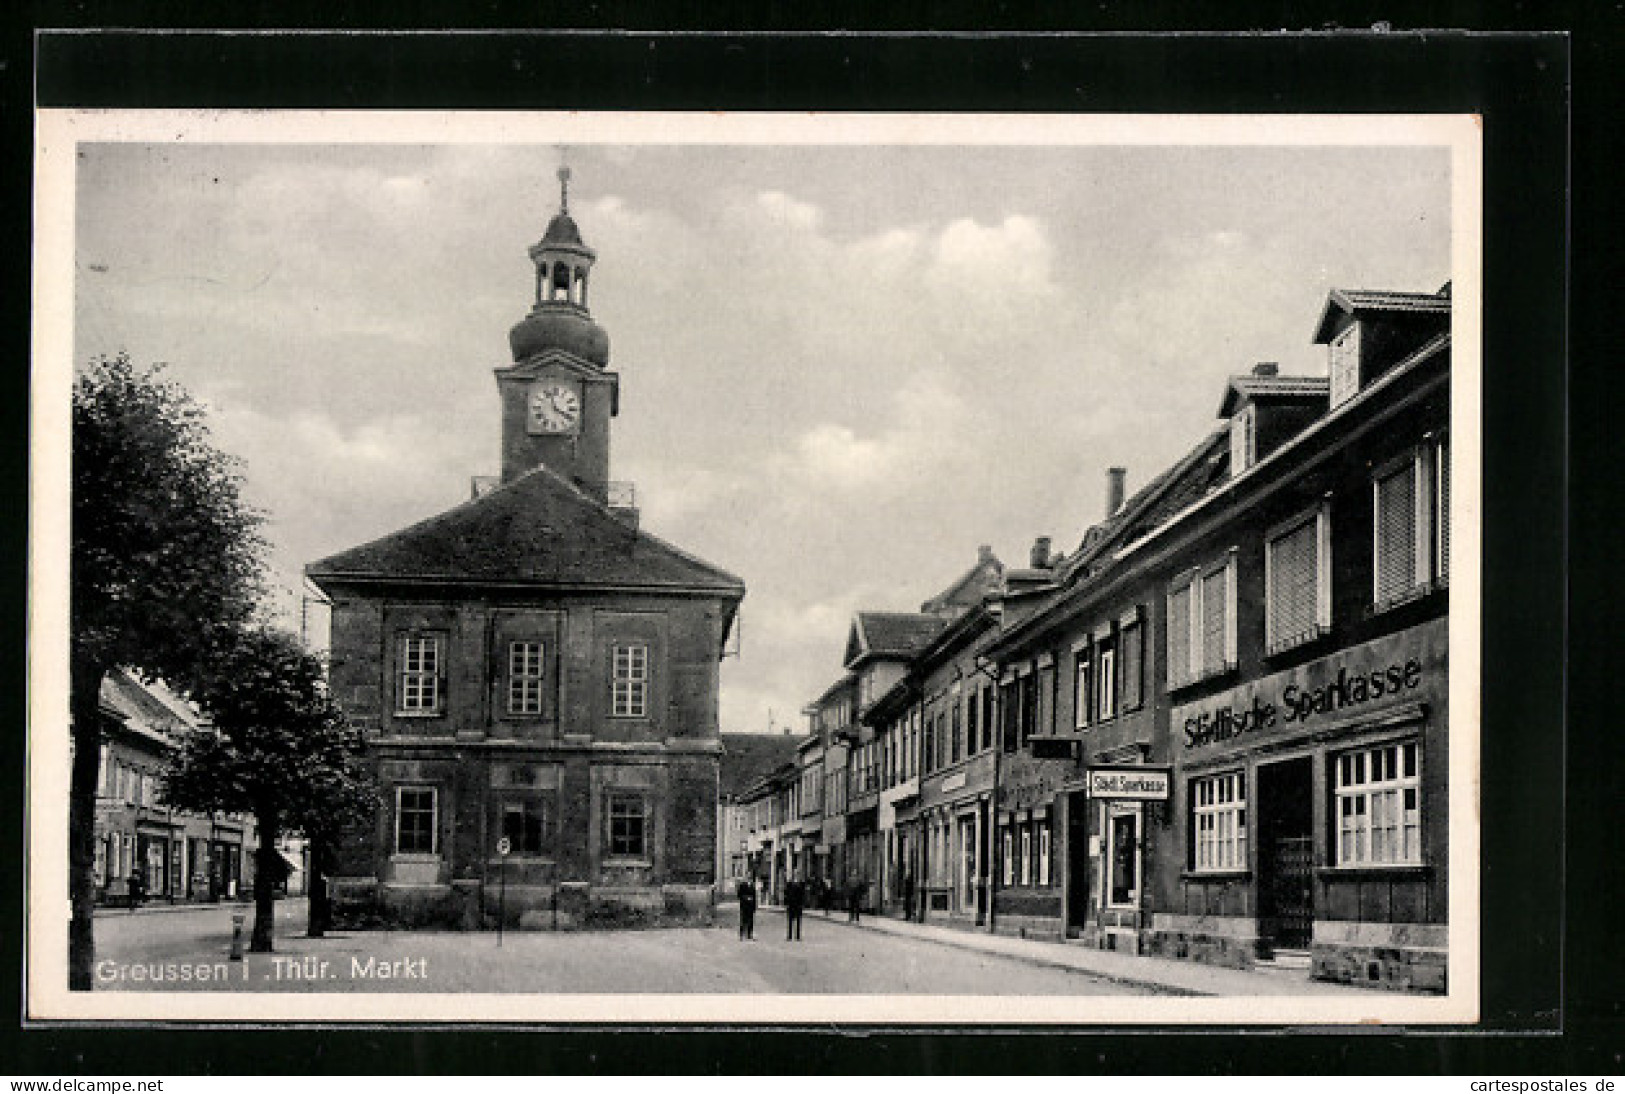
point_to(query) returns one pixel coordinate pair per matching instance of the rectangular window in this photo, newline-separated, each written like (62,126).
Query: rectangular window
(1297,583)
(1008,857)
(1132,647)
(626,826)
(1082,689)
(958,733)
(527,824)
(1344,365)
(1011,716)
(972,710)
(1179,634)
(1394,530)
(631,682)
(1106,682)
(416,820)
(1219,822)
(1377,795)
(1215,620)
(524,678)
(1029,706)
(1043,854)
(420,675)
(987,717)
(1026,856)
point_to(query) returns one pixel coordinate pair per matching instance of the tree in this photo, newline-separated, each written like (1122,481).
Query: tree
(276,746)
(164,553)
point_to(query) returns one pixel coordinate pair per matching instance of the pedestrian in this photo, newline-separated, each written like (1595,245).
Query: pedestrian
(795,899)
(747,910)
(908,896)
(826,894)
(853,901)
(138,888)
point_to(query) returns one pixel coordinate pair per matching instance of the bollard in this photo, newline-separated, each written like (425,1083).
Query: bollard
(237,936)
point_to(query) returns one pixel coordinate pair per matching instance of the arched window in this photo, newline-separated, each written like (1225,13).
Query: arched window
(561,282)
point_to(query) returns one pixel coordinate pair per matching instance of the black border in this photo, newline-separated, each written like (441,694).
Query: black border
(1519,83)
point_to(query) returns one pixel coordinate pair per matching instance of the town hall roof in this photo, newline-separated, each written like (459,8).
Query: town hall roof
(536,530)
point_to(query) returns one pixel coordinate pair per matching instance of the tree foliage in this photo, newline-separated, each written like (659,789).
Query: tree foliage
(276,746)
(164,554)
(165,550)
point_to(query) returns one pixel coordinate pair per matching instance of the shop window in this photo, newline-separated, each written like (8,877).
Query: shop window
(1377,795)
(1131,648)
(1219,822)
(1026,860)
(421,675)
(1043,853)
(527,824)
(627,826)
(1007,857)
(417,812)
(630,681)
(524,678)
(1297,582)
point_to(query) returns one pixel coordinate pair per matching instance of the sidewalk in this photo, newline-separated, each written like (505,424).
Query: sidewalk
(1159,973)
(151,907)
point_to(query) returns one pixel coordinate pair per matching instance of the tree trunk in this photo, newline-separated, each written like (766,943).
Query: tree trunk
(321,907)
(264,887)
(85,709)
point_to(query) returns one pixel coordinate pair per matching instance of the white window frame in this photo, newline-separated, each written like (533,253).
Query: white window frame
(1083,691)
(1439,555)
(1243,439)
(629,680)
(1044,855)
(527,670)
(1219,823)
(1106,683)
(1110,849)
(1192,583)
(420,691)
(1025,874)
(1321,516)
(1343,365)
(434,819)
(1370,790)
(1007,865)
(1428,466)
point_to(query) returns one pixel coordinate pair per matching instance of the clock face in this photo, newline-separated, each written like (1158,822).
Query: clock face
(554,408)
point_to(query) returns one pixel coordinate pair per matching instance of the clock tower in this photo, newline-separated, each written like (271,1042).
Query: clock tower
(559,395)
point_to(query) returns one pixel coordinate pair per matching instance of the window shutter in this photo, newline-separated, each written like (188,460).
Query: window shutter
(1179,633)
(1396,533)
(1215,599)
(1443,463)
(1293,587)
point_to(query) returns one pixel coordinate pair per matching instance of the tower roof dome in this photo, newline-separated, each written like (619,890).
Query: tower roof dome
(559,319)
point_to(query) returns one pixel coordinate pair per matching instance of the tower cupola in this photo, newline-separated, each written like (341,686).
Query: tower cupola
(559,318)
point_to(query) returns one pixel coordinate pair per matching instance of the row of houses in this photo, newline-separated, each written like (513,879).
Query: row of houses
(1216,729)
(145,848)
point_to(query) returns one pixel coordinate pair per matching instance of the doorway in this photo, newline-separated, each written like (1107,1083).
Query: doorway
(1077,863)
(1286,854)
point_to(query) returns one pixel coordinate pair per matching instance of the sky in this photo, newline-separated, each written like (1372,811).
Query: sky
(843,367)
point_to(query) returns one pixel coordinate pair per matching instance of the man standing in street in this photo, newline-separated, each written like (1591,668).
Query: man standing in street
(854,900)
(908,896)
(795,899)
(747,909)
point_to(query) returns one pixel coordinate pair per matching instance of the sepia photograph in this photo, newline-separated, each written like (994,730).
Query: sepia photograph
(937,570)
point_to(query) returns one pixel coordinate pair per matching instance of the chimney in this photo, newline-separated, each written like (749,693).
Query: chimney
(984,554)
(1267,368)
(1114,489)
(1040,555)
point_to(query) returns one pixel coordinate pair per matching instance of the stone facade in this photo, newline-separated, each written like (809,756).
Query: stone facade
(536,676)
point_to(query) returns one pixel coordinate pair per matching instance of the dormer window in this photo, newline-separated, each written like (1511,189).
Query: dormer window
(1244,439)
(1344,365)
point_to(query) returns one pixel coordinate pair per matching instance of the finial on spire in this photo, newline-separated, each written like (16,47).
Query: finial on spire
(564,189)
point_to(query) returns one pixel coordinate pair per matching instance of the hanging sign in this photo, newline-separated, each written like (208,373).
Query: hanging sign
(1132,782)
(503,846)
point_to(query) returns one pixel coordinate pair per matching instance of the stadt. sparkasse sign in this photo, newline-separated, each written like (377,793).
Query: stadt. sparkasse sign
(1370,678)
(1130,783)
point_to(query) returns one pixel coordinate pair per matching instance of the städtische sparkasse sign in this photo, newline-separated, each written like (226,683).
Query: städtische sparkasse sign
(1354,684)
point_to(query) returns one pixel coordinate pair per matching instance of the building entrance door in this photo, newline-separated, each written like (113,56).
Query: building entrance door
(1286,854)
(1077,863)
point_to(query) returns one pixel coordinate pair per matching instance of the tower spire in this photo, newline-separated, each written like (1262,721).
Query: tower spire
(564,189)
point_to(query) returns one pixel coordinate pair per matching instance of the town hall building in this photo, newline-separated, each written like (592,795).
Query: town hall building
(536,675)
